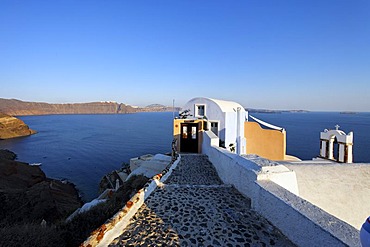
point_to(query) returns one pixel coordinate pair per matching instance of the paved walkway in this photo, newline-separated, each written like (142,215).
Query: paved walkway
(195,208)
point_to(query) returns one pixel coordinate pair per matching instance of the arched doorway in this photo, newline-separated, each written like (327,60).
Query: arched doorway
(335,149)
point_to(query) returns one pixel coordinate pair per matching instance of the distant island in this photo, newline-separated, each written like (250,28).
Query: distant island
(14,107)
(348,112)
(159,108)
(251,110)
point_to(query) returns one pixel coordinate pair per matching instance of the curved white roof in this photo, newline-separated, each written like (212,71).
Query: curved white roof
(225,106)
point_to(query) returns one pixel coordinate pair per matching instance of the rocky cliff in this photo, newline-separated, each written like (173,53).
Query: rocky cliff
(15,107)
(11,127)
(27,195)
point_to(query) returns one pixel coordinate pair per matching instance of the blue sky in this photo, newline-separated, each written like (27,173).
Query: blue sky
(312,55)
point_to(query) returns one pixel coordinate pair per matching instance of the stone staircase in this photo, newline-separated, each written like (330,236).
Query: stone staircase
(194,208)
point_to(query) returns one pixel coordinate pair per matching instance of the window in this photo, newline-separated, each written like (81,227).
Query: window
(214,128)
(200,110)
(184,132)
(193,132)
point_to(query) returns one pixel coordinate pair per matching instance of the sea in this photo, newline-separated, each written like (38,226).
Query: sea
(83,148)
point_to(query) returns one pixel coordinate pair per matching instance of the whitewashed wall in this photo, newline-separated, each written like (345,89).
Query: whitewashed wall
(302,222)
(340,189)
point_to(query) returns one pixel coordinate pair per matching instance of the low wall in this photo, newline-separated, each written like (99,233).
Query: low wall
(340,189)
(115,226)
(302,222)
(229,170)
(240,171)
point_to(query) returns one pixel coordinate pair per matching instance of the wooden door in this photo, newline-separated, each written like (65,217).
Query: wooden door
(189,138)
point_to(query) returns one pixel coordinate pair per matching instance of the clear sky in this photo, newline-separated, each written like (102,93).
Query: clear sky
(287,54)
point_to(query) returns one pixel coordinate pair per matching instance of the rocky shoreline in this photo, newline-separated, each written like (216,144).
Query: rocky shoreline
(35,210)
(11,127)
(27,195)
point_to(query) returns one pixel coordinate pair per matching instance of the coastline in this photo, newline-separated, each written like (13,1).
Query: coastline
(16,107)
(12,127)
(22,184)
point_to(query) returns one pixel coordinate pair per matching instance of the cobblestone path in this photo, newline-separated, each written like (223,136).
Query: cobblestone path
(195,208)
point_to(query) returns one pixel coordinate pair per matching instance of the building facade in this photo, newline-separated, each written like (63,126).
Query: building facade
(229,122)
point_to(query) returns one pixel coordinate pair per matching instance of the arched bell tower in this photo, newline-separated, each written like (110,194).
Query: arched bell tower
(329,139)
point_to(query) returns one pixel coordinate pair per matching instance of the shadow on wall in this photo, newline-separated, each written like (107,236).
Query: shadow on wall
(222,137)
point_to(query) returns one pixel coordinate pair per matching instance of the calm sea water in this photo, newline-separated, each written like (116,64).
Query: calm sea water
(83,148)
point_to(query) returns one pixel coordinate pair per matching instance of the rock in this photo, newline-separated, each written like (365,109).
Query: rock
(27,195)
(16,175)
(11,127)
(6,154)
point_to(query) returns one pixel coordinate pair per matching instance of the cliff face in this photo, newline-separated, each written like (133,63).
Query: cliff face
(27,195)
(11,127)
(15,107)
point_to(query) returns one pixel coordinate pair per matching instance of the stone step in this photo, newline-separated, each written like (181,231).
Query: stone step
(194,208)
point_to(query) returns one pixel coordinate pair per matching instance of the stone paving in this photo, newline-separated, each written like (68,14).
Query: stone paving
(194,169)
(194,208)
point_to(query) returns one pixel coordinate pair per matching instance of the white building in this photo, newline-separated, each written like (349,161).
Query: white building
(224,118)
